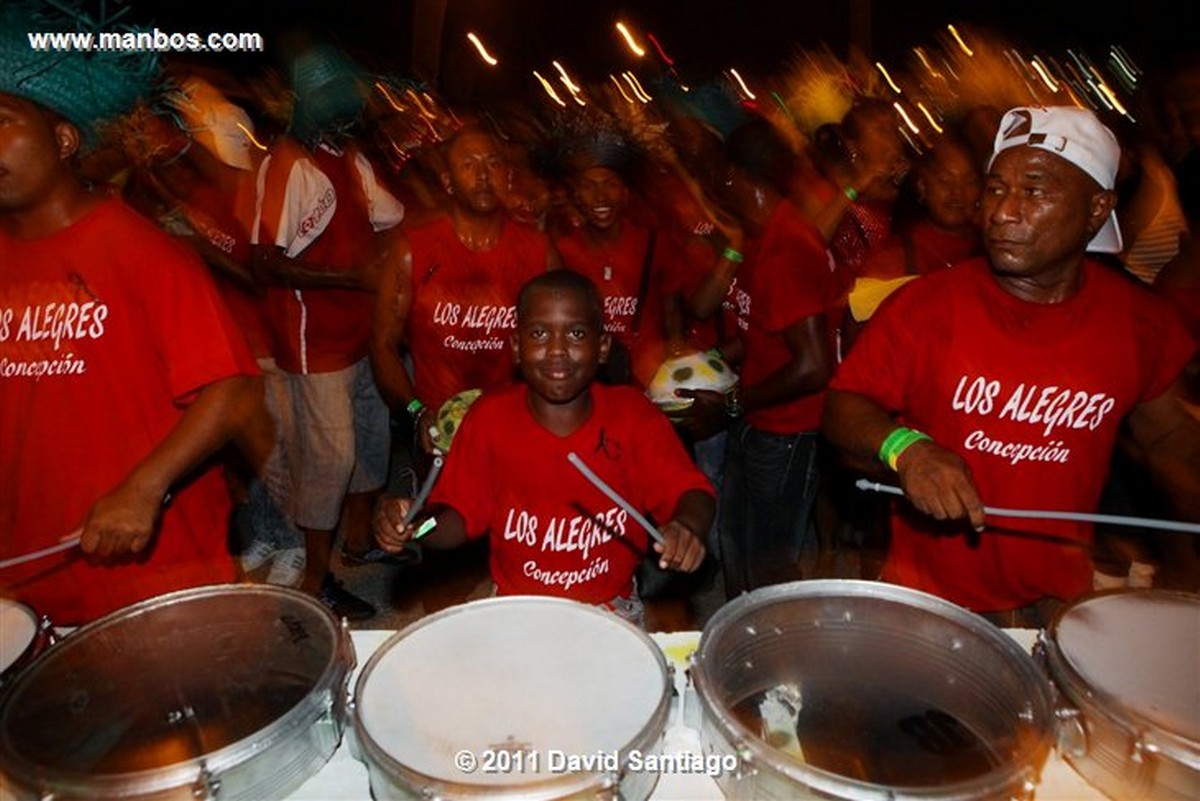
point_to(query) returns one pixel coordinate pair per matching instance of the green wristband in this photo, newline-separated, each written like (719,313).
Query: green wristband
(897,442)
(732,255)
(415,407)
(851,193)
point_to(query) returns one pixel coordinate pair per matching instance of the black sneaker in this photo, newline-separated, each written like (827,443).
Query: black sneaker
(342,602)
(377,556)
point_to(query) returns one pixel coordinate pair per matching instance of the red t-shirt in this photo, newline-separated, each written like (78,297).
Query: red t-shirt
(107,329)
(551,531)
(464,307)
(1031,396)
(931,249)
(616,270)
(323,207)
(785,278)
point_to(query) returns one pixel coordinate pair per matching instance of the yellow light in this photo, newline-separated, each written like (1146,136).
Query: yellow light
(745,89)
(483,53)
(1112,98)
(250,135)
(421,106)
(929,116)
(387,95)
(549,89)
(566,79)
(907,119)
(620,88)
(1051,84)
(925,60)
(887,77)
(961,43)
(638,92)
(629,40)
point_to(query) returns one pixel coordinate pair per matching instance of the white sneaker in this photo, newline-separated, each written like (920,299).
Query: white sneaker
(258,554)
(288,569)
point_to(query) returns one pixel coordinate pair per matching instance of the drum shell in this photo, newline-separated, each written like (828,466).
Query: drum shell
(213,636)
(392,780)
(1116,749)
(852,633)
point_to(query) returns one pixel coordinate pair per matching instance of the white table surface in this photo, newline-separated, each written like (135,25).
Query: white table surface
(345,778)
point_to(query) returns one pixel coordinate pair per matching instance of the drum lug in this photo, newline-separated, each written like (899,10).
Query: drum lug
(1070,734)
(207,786)
(745,757)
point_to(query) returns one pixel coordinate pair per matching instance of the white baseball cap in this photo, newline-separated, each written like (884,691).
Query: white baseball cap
(1074,134)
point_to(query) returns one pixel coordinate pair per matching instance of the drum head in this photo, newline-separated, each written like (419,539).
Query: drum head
(18,629)
(512,674)
(190,678)
(1140,651)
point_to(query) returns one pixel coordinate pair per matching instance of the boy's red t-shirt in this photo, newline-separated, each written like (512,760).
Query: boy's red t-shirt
(550,530)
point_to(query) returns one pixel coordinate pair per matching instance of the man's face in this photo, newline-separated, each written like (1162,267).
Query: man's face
(601,196)
(476,173)
(950,187)
(559,345)
(1039,212)
(31,155)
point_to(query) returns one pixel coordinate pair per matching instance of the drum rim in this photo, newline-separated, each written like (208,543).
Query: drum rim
(341,661)
(835,784)
(566,784)
(1096,702)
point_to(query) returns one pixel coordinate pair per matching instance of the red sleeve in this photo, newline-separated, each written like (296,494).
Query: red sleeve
(797,276)
(1164,345)
(881,364)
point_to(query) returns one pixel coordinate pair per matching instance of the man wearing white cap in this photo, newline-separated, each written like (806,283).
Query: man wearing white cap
(1005,381)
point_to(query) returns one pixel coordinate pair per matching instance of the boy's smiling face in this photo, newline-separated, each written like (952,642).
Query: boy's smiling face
(559,345)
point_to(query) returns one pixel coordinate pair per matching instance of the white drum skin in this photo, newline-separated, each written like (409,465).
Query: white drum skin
(527,686)
(18,633)
(1128,666)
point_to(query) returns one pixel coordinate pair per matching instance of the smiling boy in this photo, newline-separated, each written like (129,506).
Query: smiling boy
(551,531)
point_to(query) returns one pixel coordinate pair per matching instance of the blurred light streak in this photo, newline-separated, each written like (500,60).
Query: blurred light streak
(638,91)
(549,89)
(250,135)
(933,73)
(912,126)
(566,79)
(661,53)
(483,53)
(1040,69)
(959,39)
(620,88)
(637,49)
(887,77)
(387,95)
(745,89)
(929,116)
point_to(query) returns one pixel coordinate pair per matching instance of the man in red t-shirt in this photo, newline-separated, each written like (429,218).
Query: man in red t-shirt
(121,374)
(551,531)
(1015,373)
(448,297)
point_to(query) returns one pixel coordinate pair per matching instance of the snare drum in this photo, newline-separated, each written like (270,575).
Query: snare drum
(864,690)
(238,690)
(1129,662)
(22,637)
(516,697)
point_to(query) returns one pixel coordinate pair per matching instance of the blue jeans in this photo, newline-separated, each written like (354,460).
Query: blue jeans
(766,503)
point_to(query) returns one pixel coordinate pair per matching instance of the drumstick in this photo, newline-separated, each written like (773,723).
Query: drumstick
(1045,514)
(426,488)
(617,499)
(66,544)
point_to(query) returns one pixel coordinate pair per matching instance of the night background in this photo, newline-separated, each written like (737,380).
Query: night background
(702,36)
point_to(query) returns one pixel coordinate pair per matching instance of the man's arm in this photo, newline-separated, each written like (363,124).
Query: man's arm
(935,480)
(124,520)
(1168,441)
(684,533)
(807,372)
